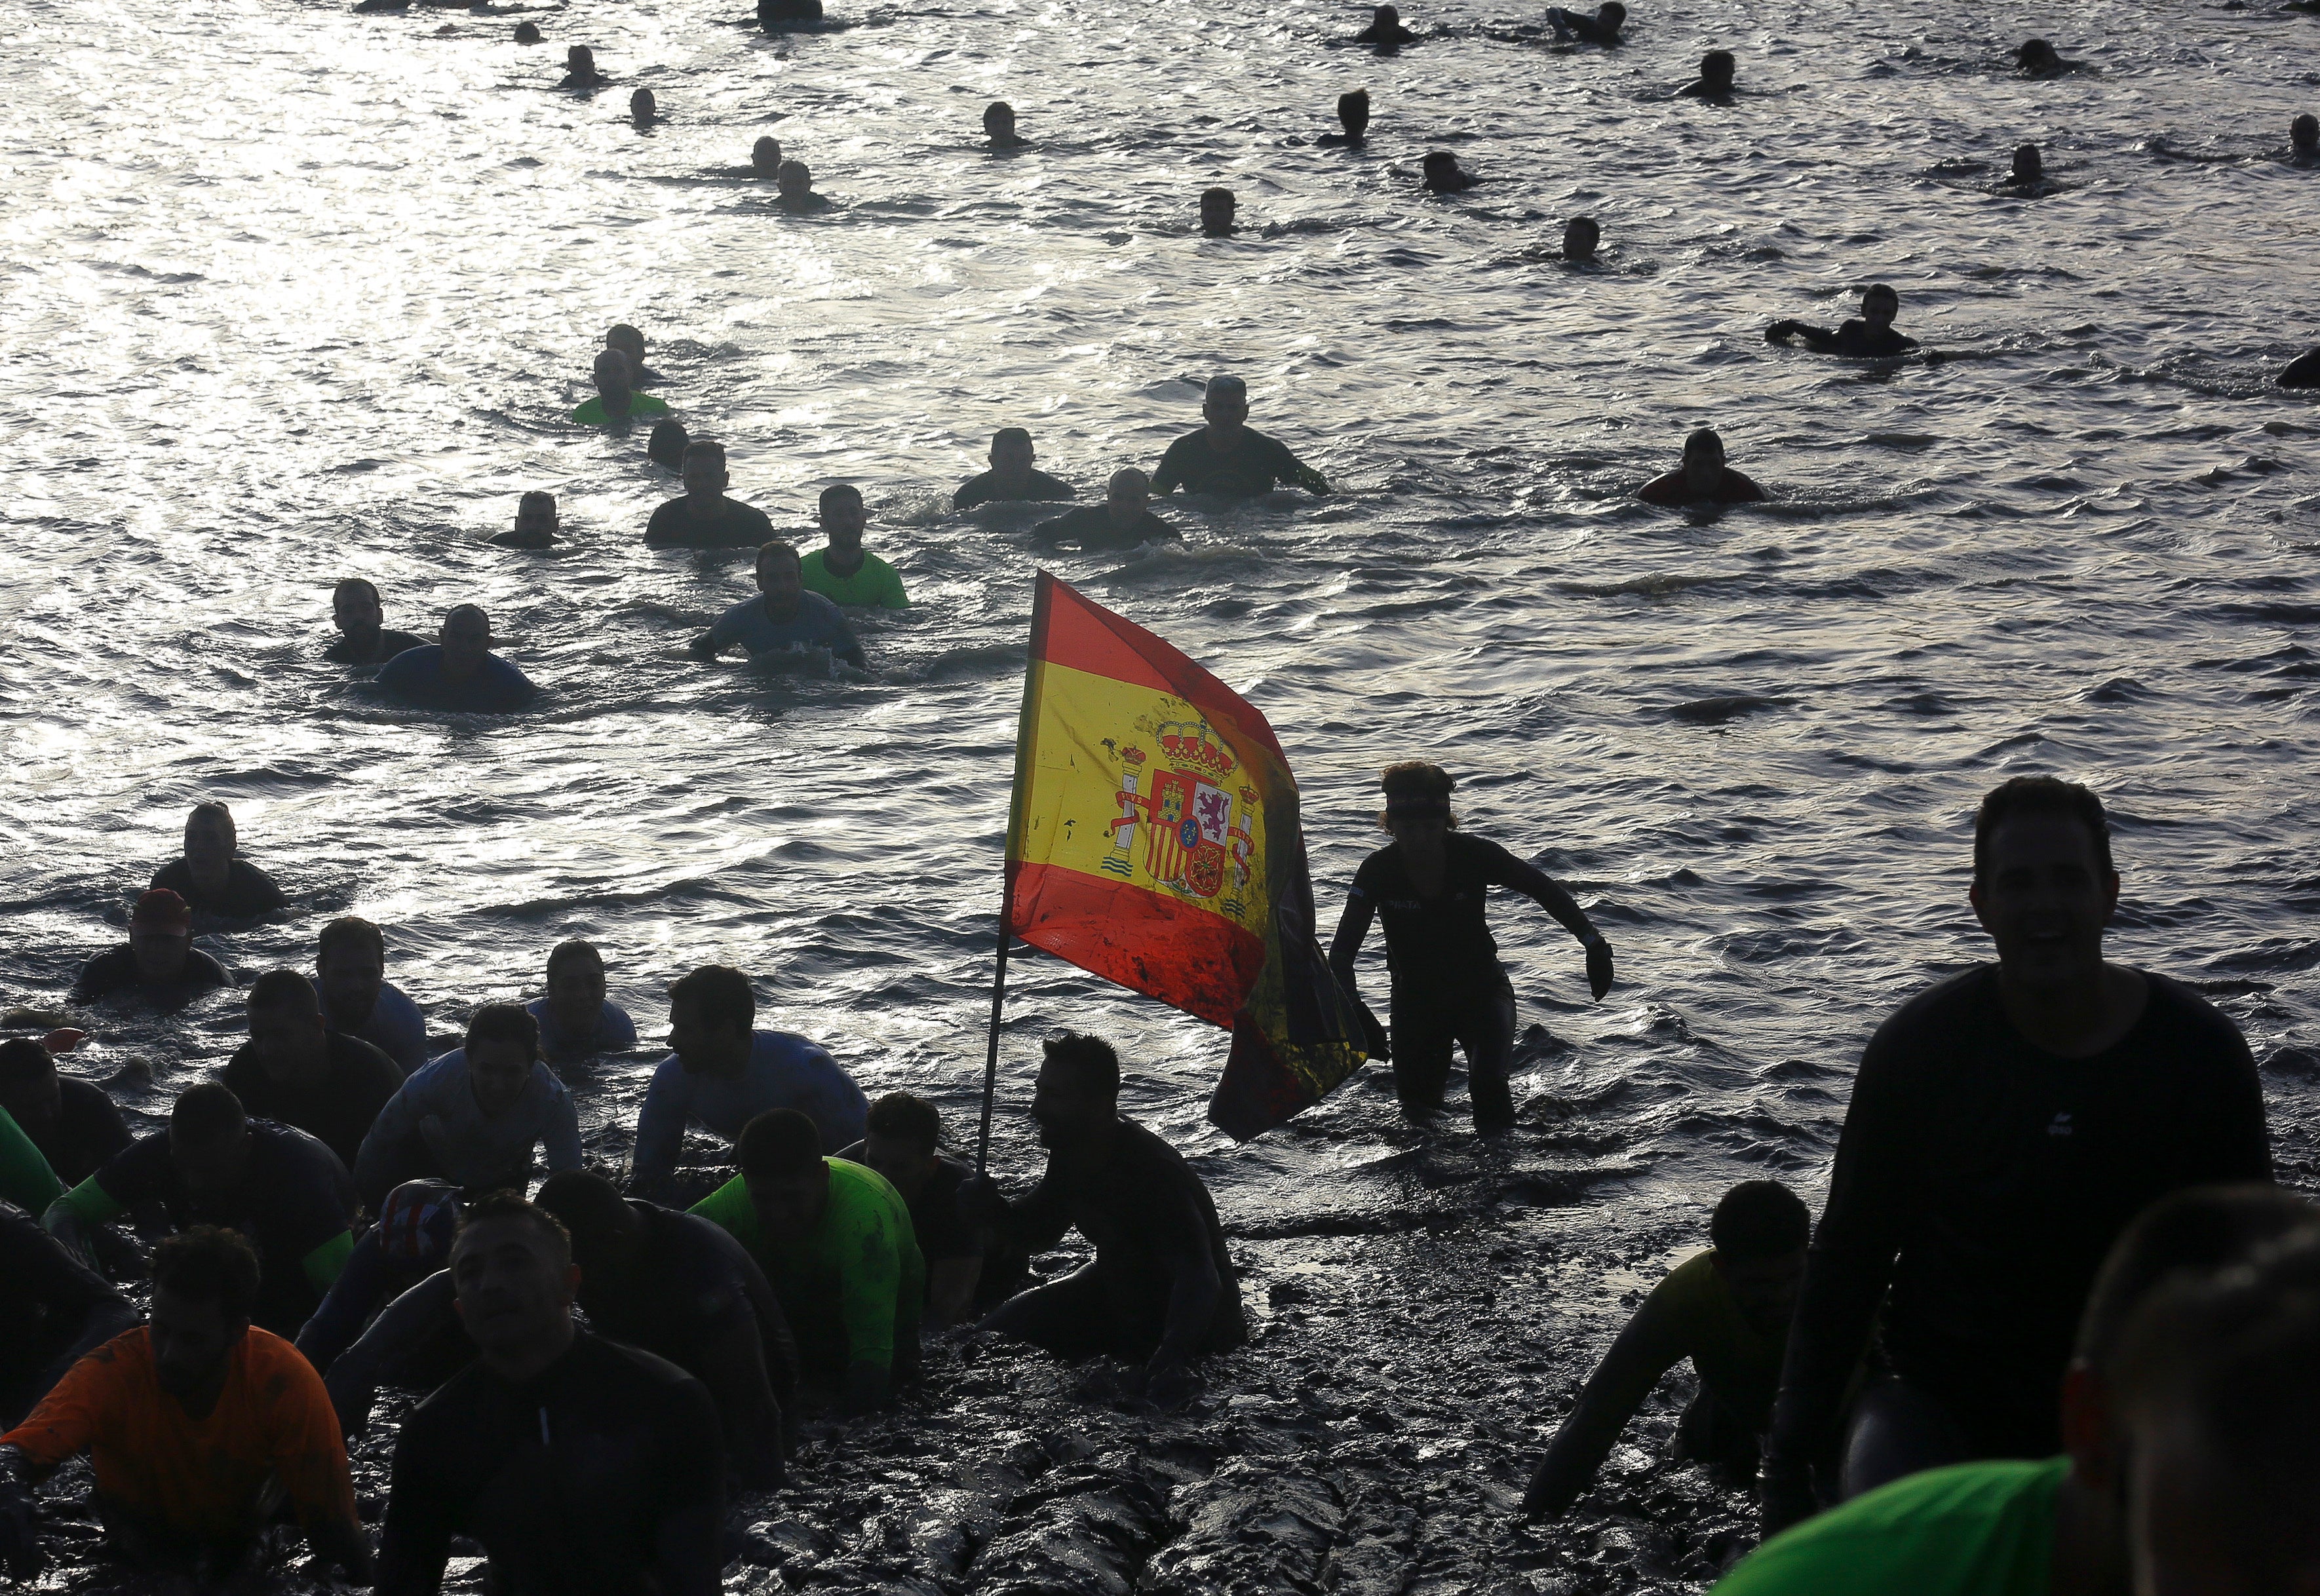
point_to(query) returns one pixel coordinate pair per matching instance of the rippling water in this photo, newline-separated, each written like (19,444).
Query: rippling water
(293,294)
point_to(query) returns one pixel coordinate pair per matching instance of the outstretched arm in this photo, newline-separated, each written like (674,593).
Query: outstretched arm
(1646,1350)
(1817,338)
(1548,893)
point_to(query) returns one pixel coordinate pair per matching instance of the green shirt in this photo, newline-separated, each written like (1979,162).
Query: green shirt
(1977,1529)
(25,1178)
(853,1289)
(876,584)
(595,414)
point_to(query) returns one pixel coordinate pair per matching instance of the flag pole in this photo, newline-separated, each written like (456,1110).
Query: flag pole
(1027,721)
(998,997)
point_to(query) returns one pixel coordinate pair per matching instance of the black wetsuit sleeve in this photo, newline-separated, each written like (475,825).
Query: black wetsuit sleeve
(417,1541)
(1851,1262)
(689,1554)
(1174,465)
(1354,926)
(1036,1221)
(1651,1345)
(2235,1143)
(1502,869)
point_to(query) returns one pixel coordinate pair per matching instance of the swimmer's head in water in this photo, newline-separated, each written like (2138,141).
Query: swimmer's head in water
(629,340)
(204,1287)
(614,375)
(704,470)
(1610,17)
(1127,493)
(642,106)
(2037,56)
(1354,113)
(1012,452)
(526,32)
(30,1091)
(712,1009)
(160,934)
(1218,207)
(843,516)
(1077,1096)
(575,988)
(2029,166)
(535,513)
(2304,133)
(1703,463)
(511,1270)
(580,61)
(351,968)
(606,1234)
(1224,407)
(285,1022)
(998,122)
(355,608)
(466,637)
(765,155)
(779,576)
(1385,17)
(210,840)
(1717,69)
(503,1043)
(1441,170)
(667,444)
(900,1140)
(1580,235)
(1880,304)
(795,179)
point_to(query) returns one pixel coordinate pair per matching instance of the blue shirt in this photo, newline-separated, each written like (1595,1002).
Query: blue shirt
(395,1028)
(483,1151)
(783,1072)
(416,674)
(817,624)
(614,1032)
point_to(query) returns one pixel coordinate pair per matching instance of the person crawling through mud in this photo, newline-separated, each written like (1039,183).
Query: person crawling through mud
(1161,1290)
(1727,1310)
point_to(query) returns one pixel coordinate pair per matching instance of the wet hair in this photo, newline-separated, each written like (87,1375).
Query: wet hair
(1089,1058)
(1760,1219)
(505,1022)
(1611,12)
(839,493)
(457,610)
(1880,291)
(703,447)
(2305,130)
(210,810)
(1587,225)
(571,951)
(2036,54)
(511,1204)
(1352,98)
(580,54)
(669,442)
(348,930)
(286,989)
(903,1117)
(209,1264)
(206,1114)
(763,139)
(2028,161)
(23,1059)
(779,1142)
(526,32)
(2197,1232)
(998,108)
(1717,63)
(1413,784)
(1008,435)
(1701,438)
(588,1205)
(719,991)
(2233,1362)
(536,499)
(610,360)
(804,173)
(1218,192)
(2040,795)
(641,103)
(779,546)
(1143,483)
(355,584)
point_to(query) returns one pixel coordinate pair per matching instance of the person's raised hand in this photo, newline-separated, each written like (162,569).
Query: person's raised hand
(1599,967)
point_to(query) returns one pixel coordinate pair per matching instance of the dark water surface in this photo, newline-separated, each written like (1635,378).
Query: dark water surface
(292,295)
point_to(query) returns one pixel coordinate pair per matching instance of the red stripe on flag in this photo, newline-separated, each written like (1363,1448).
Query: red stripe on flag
(1146,940)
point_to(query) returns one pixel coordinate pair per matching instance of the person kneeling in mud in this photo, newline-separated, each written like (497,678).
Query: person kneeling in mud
(1161,1291)
(1430,884)
(1727,1310)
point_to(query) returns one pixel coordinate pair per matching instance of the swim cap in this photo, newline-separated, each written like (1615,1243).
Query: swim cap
(161,910)
(1231,388)
(416,1227)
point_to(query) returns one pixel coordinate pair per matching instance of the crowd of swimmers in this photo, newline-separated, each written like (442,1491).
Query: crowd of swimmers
(2054,1329)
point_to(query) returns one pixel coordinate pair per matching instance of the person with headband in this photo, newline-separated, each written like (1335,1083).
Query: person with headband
(1431,884)
(159,961)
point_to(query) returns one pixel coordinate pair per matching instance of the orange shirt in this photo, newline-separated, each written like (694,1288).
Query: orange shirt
(199,1478)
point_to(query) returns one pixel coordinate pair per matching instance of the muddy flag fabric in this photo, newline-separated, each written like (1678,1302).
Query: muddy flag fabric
(1155,842)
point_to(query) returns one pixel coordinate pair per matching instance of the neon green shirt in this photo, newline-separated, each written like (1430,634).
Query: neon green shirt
(1977,1529)
(853,1289)
(595,414)
(876,584)
(25,1178)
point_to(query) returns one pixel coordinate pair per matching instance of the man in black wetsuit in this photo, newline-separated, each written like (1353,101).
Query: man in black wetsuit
(704,518)
(536,524)
(1161,1291)
(1011,478)
(794,183)
(158,962)
(1354,116)
(1229,458)
(208,876)
(1123,521)
(966,1271)
(773,15)
(2038,58)
(73,1122)
(297,1071)
(1431,884)
(1385,29)
(53,1309)
(1870,338)
(1218,208)
(680,1288)
(2304,140)
(363,637)
(582,1466)
(1443,174)
(1580,237)
(999,127)
(1602,27)
(765,158)
(580,69)
(212,1165)
(1714,84)
(2005,1127)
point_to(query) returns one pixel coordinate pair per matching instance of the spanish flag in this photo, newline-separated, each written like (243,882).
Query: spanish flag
(1154,840)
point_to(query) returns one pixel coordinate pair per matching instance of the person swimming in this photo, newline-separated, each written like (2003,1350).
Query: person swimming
(1123,521)
(643,109)
(526,32)
(785,626)
(667,444)
(795,181)
(1703,478)
(1013,477)
(2026,178)
(1714,84)
(1580,235)
(1354,116)
(766,158)
(580,69)
(1602,27)
(1871,337)
(1385,29)
(2303,372)
(1443,174)
(1218,208)
(1229,458)
(2038,58)
(459,673)
(364,637)
(2304,140)
(631,343)
(536,525)
(703,517)
(775,15)
(998,126)
(617,398)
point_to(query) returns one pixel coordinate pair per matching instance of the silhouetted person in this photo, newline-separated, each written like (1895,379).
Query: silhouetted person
(1218,207)
(1123,521)
(2038,58)
(1012,478)
(297,1072)
(2303,372)
(1354,116)
(1385,29)
(630,342)
(460,672)
(1714,84)
(795,182)
(617,398)
(1580,235)
(1228,457)
(70,1122)
(643,109)
(2029,166)
(2303,140)
(703,517)
(363,637)
(158,963)
(526,32)
(1602,27)
(1871,336)
(580,69)
(1442,174)
(536,525)
(775,15)
(59,1310)
(1703,478)
(998,126)
(209,877)
(667,442)
(766,158)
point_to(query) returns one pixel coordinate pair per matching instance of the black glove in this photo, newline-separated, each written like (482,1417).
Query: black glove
(980,1204)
